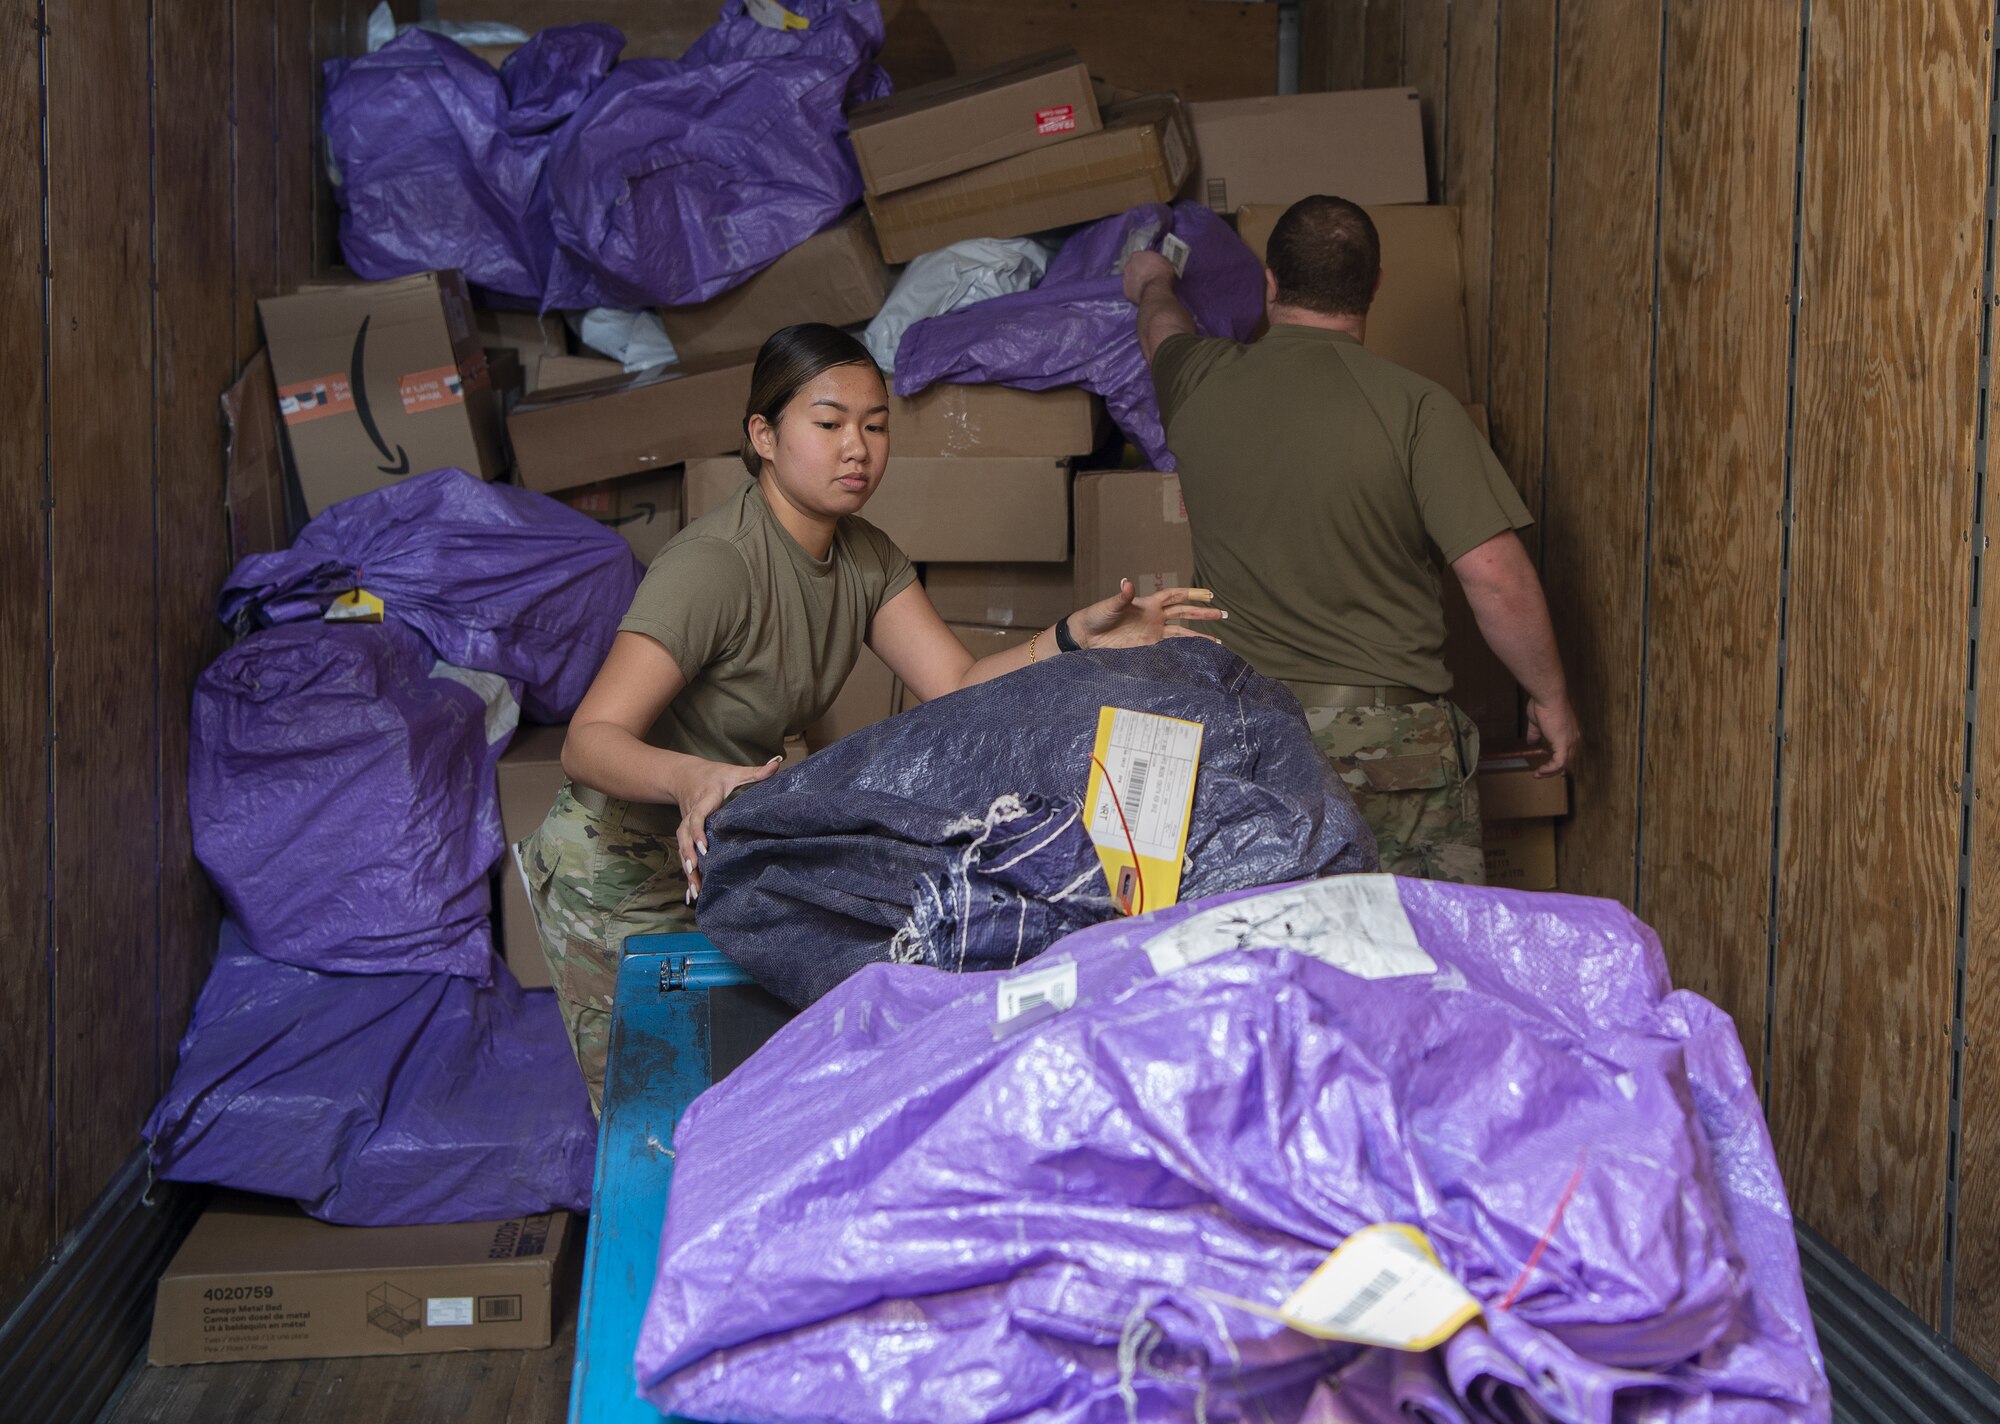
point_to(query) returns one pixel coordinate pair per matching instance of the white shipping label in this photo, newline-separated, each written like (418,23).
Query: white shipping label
(1382,1286)
(1353,922)
(448,1310)
(1018,993)
(1175,251)
(1151,762)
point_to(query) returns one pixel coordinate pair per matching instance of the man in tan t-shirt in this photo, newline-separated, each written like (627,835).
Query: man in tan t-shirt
(1325,487)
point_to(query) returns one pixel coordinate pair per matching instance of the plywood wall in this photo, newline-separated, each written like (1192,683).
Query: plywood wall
(1732,334)
(177,187)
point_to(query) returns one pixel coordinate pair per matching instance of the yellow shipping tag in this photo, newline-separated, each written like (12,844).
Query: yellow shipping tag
(1137,803)
(1384,1285)
(773,16)
(357,605)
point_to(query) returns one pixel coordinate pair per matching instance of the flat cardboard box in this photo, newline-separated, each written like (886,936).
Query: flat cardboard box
(378,381)
(1027,596)
(950,125)
(1418,319)
(1130,524)
(255,495)
(554,371)
(1365,145)
(953,419)
(1520,855)
(645,509)
(1509,790)
(631,424)
(530,335)
(983,509)
(1143,154)
(837,276)
(868,695)
(980,642)
(257,1279)
(529,775)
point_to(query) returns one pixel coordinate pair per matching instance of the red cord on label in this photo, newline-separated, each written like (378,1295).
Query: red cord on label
(1137,903)
(1535,1256)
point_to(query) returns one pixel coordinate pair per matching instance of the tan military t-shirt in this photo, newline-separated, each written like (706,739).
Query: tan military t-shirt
(764,633)
(1323,486)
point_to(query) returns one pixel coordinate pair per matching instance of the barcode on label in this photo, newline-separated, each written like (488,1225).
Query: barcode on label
(1150,763)
(1370,1296)
(1054,986)
(1134,790)
(1218,194)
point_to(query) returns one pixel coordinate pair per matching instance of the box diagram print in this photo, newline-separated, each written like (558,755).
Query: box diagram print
(395,1310)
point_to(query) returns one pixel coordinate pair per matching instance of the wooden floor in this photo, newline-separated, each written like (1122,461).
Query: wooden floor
(469,1387)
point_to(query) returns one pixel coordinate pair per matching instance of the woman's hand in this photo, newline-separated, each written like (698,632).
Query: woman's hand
(1127,620)
(700,789)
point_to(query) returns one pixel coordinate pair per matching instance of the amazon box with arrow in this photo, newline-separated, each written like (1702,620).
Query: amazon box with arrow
(378,381)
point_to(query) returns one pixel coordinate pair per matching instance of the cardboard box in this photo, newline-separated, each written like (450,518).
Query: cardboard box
(1130,524)
(256,496)
(1418,318)
(950,125)
(554,371)
(646,509)
(953,419)
(529,335)
(1509,790)
(1027,596)
(868,695)
(837,276)
(1365,145)
(980,642)
(1142,155)
(1520,855)
(378,381)
(631,424)
(529,775)
(984,509)
(257,1279)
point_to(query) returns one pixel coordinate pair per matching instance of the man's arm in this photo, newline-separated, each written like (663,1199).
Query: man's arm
(1149,285)
(1506,598)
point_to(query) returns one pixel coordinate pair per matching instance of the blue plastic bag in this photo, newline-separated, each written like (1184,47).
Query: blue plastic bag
(1062,1219)
(1077,329)
(341,790)
(952,835)
(496,578)
(376,1100)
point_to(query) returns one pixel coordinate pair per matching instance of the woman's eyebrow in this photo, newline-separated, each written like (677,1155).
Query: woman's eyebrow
(872,410)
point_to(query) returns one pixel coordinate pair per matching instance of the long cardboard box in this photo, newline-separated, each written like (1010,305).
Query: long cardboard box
(868,695)
(1509,790)
(378,381)
(1365,145)
(952,419)
(1142,155)
(645,509)
(980,642)
(977,510)
(553,371)
(1130,524)
(837,276)
(529,775)
(530,334)
(1418,317)
(259,1280)
(633,423)
(1001,595)
(950,125)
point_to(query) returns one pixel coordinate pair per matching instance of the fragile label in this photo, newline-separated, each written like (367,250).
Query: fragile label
(315,399)
(357,605)
(1384,1285)
(1018,994)
(430,390)
(1355,923)
(1137,803)
(448,1310)
(1060,119)
(773,16)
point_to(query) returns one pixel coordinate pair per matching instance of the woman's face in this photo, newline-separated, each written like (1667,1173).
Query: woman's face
(827,451)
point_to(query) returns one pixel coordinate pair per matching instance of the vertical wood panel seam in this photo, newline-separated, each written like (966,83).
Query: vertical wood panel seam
(1493,206)
(1948,1281)
(277,162)
(1444,124)
(159,700)
(48,620)
(1652,457)
(1549,285)
(1786,516)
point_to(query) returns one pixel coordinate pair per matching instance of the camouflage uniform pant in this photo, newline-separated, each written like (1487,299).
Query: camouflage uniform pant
(592,881)
(1409,769)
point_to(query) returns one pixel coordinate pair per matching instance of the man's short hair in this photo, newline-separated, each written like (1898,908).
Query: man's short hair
(1325,255)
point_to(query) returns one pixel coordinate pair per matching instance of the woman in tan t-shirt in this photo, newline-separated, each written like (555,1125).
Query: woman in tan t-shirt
(740,636)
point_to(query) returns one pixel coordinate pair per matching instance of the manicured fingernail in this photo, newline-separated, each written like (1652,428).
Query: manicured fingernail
(703,845)
(687,898)
(687,867)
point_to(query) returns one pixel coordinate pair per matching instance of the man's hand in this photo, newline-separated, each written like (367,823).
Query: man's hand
(1142,269)
(1554,724)
(700,789)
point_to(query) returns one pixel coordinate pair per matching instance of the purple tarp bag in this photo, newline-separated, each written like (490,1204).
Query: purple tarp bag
(377,1100)
(496,578)
(681,179)
(1057,1219)
(341,790)
(1077,329)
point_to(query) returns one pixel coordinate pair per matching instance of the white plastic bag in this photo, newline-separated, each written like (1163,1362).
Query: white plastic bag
(950,278)
(637,339)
